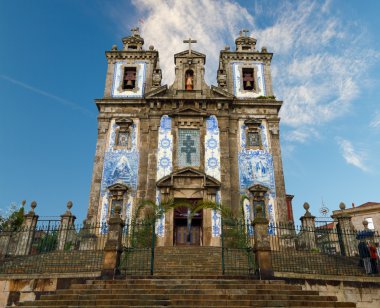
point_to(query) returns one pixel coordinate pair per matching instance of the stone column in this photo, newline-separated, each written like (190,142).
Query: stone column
(113,247)
(346,232)
(93,213)
(307,236)
(65,233)
(262,250)
(281,210)
(26,233)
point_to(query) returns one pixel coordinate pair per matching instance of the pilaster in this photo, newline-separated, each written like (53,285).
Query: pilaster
(27,231)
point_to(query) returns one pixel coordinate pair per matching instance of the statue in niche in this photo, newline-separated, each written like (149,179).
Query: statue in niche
(189,82)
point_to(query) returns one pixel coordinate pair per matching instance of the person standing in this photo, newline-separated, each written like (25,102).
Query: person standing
(365,256)
(373,258)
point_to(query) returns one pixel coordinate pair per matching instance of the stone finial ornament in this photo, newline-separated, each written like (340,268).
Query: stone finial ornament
(306,206)
(33,205)
(264,49)
(69,205)
(114,47)
(227,47)
(151,47)
(342,206)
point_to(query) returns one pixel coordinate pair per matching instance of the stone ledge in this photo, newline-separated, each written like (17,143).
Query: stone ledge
(300,276)
(94,274)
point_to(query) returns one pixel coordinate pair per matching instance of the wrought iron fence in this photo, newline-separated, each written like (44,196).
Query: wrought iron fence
(325,250)
(52,248)
(237,253)
(138,249)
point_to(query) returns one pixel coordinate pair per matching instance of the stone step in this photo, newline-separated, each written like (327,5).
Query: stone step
(188,303)
(214,292)
(189,296)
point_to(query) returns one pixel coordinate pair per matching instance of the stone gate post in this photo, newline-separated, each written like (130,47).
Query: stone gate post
(346,232)
(66,228)
(113,247)
(262,250)
(307,237)
(26,234)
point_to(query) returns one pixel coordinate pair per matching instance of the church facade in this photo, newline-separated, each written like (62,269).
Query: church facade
(188,141)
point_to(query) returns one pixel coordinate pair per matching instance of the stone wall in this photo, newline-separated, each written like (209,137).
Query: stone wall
(364,291)
(15,291)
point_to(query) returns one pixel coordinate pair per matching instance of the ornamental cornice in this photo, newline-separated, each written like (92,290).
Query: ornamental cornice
(138,54)
(246,56)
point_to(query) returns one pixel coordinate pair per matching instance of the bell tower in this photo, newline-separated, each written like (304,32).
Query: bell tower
(189,71)
(245,72)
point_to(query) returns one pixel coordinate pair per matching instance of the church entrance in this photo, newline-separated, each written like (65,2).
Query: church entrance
(187,230)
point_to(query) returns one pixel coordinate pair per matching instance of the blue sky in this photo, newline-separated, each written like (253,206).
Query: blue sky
(326,68)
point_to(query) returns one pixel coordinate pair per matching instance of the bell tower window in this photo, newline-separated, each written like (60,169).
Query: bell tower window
(129,79)
(248,79)
(189,80)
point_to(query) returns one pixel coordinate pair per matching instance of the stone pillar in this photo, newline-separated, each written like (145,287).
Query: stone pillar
(307,236)
(93,213)
(26,233)
(281,210)
(65,233)
(263,255)
(346,232)
(113,247)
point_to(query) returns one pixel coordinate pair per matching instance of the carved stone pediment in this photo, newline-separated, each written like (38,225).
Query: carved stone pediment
(159,92)
(258,188)
(189,112)
(219,92)
(124,122)
(188,178)
(194,54)
(117,190)
(118,186)
(252,122)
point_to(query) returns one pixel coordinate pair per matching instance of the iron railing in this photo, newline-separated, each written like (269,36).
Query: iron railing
(324,250)
(237,248)
(52,248)
(138,249)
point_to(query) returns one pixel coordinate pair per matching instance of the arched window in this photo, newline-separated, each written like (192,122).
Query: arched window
(189,80)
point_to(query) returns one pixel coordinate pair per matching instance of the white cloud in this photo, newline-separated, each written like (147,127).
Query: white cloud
(352,155)
(318,62)
(302,135)
(168,22)
(375,123)
(319,59)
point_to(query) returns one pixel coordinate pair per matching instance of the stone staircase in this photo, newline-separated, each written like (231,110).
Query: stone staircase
(187,260)
(187,277)
(53,262)
(185,292)
(316,263)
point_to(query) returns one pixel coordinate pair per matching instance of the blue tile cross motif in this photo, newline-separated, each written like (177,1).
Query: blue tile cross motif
(188,148)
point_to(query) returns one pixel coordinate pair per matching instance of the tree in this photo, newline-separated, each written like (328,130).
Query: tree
(13,218)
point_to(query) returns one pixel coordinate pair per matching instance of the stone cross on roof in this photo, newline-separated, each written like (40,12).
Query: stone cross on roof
(189,41)
(245,31)
(135,31)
